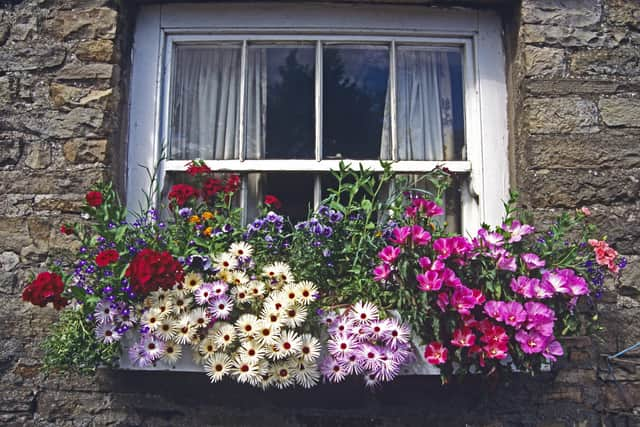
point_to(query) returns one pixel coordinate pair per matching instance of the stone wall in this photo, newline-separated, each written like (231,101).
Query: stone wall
(574,79)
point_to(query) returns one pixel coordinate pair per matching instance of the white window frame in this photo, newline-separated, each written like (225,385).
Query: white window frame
(477,33)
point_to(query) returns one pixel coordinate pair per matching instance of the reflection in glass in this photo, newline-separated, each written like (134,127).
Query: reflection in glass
(280,102)
(355,108)
(429,104)
(204,108)
(294,190)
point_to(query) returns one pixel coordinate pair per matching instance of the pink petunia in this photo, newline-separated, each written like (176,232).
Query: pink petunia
(479,296)
(492,309)
(532,261)
(436,353)
(381,272)
(489,239)
(494,334)
(389,254)
(443,301)
(574,285)
(556,281)
(552,349)
(540,318)
(512,313)
(429,281)
(420,236)
(463,337)
(518,230)
(496,350)
(400,234)
(425,263)
(427,207)
(530,342)
(506,262)
(450,279)
(463,300)
(539,289)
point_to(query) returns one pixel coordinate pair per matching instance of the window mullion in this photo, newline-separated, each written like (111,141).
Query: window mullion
(392,100)
(243,90)
(318,101)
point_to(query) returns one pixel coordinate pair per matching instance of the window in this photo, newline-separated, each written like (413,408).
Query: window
(280,93)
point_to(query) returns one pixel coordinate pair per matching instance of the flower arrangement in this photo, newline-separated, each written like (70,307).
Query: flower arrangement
(350,291)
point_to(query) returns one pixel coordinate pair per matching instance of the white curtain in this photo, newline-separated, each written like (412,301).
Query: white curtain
(424,107)
(204,110)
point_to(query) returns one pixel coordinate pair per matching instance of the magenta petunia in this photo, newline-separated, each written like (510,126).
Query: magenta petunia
(512,313)
(429,281)
(381,272)
(389,254)
(530,342)
(532,261)
(463,300)
(463,337)
(517,230)
(552,350)
(424,262)
(443,301)
(420,236)
(399,235)
(496,350)
(436,353)
(493,310)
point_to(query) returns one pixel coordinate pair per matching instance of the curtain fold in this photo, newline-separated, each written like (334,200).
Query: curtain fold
(424,107)
(204,111)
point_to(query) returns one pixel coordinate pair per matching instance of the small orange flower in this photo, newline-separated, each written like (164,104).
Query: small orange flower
(207,231)
(194,219)
(206,215)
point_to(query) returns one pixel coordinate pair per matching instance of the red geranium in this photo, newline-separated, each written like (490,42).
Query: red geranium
(107,257)
(47,287)
(197,168)
(65,230)
(211,187)
(273,201)
(150,270)
(181,193)
(94,198)
(232,185)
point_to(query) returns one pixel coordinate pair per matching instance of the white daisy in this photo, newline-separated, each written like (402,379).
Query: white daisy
(289,342)
(167,329)
(218,365)
(203,294)
(241,294)
(247,325)
(364,312)
(295,315)
(252,350)
(307,374)
(308,292)
(166,308)
(107,333)
(274,317)
(221,307)
(241,249)
(256,288)
(267,333)
(274,352)
(224,335)
(225,261)
(182,303)
(104,313)
(219,288)
(200,317)
(283,374)
(192,281)
(184,331)
(172,352)
(179,289)
(151,319)
(310,348)
(291,292)
(246,371)
(239,278)
(207,347)
(276,301)
(158,297)
(153,347)
(283,272)
(328,317)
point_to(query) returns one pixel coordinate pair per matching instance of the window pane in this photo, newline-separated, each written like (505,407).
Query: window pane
(204,107)
(430,104)
(294,190)
(355,81)
(280,102)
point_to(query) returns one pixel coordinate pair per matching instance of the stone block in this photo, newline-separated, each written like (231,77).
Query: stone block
(621,397)
(601,150)
(85,150)
(555,87)
(630,280)
(27,57)
(95,23)
(623,13)
(38,155)
(62,94)
(564,392)
(10,150)
(565,36)
(50,182)
(560,115)
(622,61)
(571,13)
(14,234)
(8,260)
(543,61)
(75,71)
(620,111)
(7,91)
(80,121)
(16,204)
(65,203)
(95,50)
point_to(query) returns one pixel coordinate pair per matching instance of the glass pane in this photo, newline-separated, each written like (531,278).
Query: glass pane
(294,190)
(203,106)
(430,107)
(355,113)
(280,102)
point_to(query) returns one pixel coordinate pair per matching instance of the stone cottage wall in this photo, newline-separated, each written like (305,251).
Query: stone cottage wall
(574,78)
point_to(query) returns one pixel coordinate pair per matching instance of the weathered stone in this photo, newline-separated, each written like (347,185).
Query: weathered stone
(68,203)
(572,13)
(25,30)
(623,12)
(31,57)
(16,399)
(8,283)
(570,87)
(85,151)
(64,94)
(560,115)
(565,392)
(50,182)
(77,71)
(7,91)
(85,24)
(13,234)
(630,281)
(10,151)
(16,204)
(620,396)
(576,376)
(4,33)
(77,122)
(95,50)
(604,149)
(581,187)
(543,61)
(8,260)
(619,111)
(622,61)
(565,36)
(38,156)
